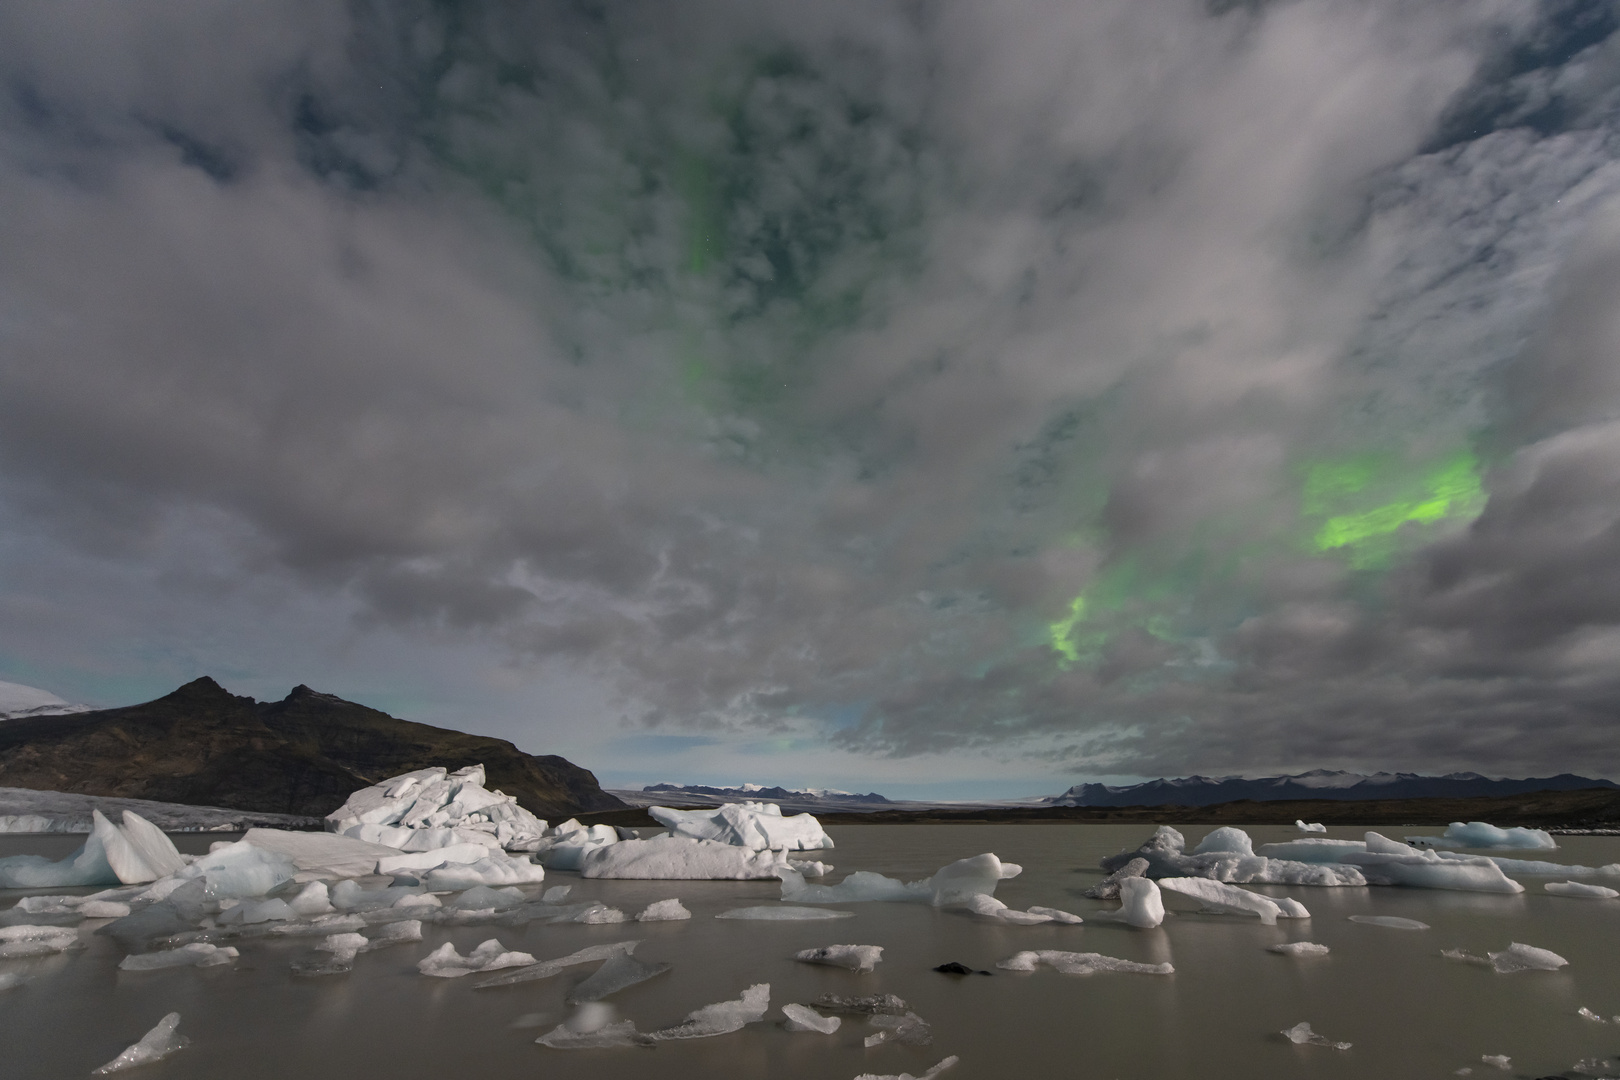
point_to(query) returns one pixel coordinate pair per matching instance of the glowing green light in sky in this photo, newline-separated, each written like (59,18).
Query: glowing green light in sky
(1334,489)
(1062,631)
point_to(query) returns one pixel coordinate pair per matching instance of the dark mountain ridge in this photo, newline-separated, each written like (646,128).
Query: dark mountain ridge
(304,754)
(1316,785)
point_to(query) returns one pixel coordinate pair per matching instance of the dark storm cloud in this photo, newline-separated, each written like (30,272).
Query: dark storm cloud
(912,378)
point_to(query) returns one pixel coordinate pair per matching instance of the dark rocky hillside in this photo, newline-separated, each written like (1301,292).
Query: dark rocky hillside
(302,755)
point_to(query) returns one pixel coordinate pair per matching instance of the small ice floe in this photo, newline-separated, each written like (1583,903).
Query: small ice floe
(1587,1014)
(600,914)
(863,1005)
(1580,889)
(1141,904)
(804,1018)
(545,969)
(493,869)
(1391,922)
(784,913)
(723,1017)
(950,886)
(19,942)
(1516,957)
(907,1029)
(1309,826)
(1480,834)
(1497,1061)
(1221,897)
(343,947)
(862,958)
(103,909)
(990,908)
(1299,948)
(944,1064)
(1302,1035)
(197,954)
(158,1043)
(1079,963)
(664,911)
(618,972)
(593,1027)
(445,963)
(811,867)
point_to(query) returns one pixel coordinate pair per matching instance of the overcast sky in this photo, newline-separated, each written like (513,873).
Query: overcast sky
(952,398)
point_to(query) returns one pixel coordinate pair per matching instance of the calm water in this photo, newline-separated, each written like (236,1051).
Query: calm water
(1407,1011)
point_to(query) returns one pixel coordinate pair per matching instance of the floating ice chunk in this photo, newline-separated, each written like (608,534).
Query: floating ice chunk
(313,899)
(493,869)
(760,826)
(664,911)
(345,946)
(1165,855)
(1218,896)
(1311,850)
(556,894)
(908,1029)
(1517,957)
(677,858)
(1289,908)
(18,942)
(484,898)
(568,852)
(1141,904)
(991,908)
(445,963)
(326,854)
(158,1043)
(784,913)
(811,867)
(396,933)
(1479,834)
(1499,1061)
(1054,915)
(197,954)
(413,861)
(1392,922)
(722,1017)
(940,1067)
(804,1018)
(619,971)
(240,870)
(1301,1034)
(600,914)
(1309,827)
(86,866)
(1299,948)
(592,1027)
(1227,840)
(1079,963)
(545,969)
(155,850)
(951,886)
(257,911)
(1577,888)
(1587,1014)
(1108,887)
(435,802)
(864,1005)
(103,909)
(1386,862)
(861,958)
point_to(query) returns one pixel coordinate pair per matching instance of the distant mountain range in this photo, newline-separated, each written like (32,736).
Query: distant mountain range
(18,702)
(304,754)
(789,799)
(1316,784)
(756,791)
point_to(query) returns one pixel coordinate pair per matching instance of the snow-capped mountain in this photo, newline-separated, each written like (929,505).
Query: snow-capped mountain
(18,702)
(1316,784)
(788,798)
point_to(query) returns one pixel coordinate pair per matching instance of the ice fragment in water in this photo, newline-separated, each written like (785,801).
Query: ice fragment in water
(1499,1061)
(196,954)
(1392,922)
(396,933)
(1108,888)
(484,898)
(1480,834)
(1079,963)
(1227,840)
(929,1075)
(1141,904)
(158,1043)
(1577,888)
(1301,1034)
(1054,915)
(445,963)
(664,911)
(600,914)
(722,1017)
(556,894)
(1588,1014)
(313,899)
(1299,948)
(618,972)
(592,1027)
(257,911)
(784,913)
(908,1029)
(1517,957)
(1218,896)
(854,957)
(750,824)
(1309,826)
(18,942)
(674,858)
(804,1018)
(991,908)
(495,869)
(867,1005)
(545,969)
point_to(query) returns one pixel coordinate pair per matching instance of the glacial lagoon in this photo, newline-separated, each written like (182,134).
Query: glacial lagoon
(1405,1010)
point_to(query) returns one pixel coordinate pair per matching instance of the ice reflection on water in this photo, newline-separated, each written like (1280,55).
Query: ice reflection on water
(1406,1011)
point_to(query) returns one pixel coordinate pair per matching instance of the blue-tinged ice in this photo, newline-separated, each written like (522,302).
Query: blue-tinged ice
(156,1044)
(1480,834)
(722,1017)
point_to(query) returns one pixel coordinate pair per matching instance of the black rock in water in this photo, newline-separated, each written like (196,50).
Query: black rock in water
(954,968)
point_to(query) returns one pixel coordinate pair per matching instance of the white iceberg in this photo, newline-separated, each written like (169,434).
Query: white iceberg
(493,869)
(240,870)
(324,854)
(600,914)
(1166,856)
(674,858)
(1227,840)
(1518,957)
(1218,896)
(1581,889)
(804,1018)
(134,853)
(1141,904)
(197,954)
(757,825)
(565,846)
(1480,834)
(1387,862)
(25,940)
(1299,948)
(784,913)
(445,963)
(1309,827)
(1301,1034)
(862,958)
(950,886)
(722,1017)
(990,908)
(938,1068)
(664,911)
(1390,922)
(158,1043)
(1078,963)
(416,862)
(454,806)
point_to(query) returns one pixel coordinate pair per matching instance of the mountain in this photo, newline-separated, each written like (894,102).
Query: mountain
(769,794)
(1316,784)
(18,702)
(304,754)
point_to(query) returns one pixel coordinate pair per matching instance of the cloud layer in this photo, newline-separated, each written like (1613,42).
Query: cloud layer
(1120,388)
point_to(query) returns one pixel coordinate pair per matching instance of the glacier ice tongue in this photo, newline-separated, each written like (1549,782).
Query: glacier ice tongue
(445,963)
(1079,963)
(25,940)
(197,954)
(619,971)
(804,1018)
(1301,1034)
(158,1043)
(1581,889)
(670,910)
(939,1067)
(757,825)
(907,1029)
(1392,922)
(1299,948)
(723,1017)
(860,958)
(675,858)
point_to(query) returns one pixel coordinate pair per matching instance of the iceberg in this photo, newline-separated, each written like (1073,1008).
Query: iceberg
(1311,850)
(1142,905)
(1299,948)
(1386,862)
(862,958)
(1218,896)
(1301,1034)
(1480,834)
(723,1017)
(493,869)
(454,806)
(1079,963)
(619,971)
(445,963)
(1392,922)
(784,913)
(592,1027)
(951,886)
(1226,840)
(86,866)
(1581,889)
(25,940)
(674,858)
(664,911)
(1166,856)
(197,954)
(1517,957)
(545,969)
(804,1018)
(1108,888)
(1309,827)
(757,825)
(158,1043)
(240,870)
(990,908)
(938,1068)
(324,854)
(567,844)
(256,911)
(599,914)
(907,1029)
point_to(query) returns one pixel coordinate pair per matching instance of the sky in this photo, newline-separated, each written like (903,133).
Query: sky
(952,399)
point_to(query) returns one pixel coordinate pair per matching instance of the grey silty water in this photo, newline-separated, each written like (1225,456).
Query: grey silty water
(1405,1010)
